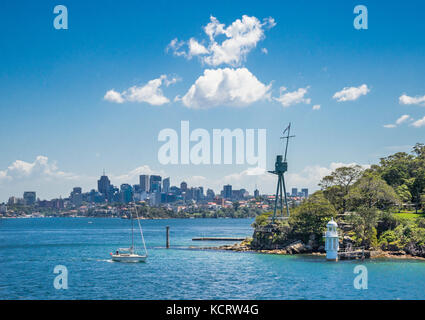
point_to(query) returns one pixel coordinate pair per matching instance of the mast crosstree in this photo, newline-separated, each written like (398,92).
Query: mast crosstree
(281,166)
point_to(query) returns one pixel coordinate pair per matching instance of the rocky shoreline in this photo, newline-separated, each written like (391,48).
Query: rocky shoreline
(300,248)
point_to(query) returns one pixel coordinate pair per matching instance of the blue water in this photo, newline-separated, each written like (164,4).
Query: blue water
(31,248)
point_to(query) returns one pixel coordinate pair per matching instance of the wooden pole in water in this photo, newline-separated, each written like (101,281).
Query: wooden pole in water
(167,228)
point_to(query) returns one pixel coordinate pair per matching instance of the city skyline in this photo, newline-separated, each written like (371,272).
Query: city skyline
(104,184)
(98,94)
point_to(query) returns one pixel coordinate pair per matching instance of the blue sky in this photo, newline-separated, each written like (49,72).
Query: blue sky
(53,83)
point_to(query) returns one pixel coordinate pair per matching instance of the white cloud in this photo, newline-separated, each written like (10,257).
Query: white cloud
(404,118)
(113,96)
(196,181)
(419,123)
(133,175)
(308,177)
(240,38)
(316,107)
(150,93)
(264,50)
(351,93)
(389,126)
(40,169)
(175,45)
(405,99)
(195,48)
(294,97)
(230,87)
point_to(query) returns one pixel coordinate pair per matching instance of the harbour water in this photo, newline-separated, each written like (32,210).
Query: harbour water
(31,248)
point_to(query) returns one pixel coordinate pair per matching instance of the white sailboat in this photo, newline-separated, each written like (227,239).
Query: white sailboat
(130,254)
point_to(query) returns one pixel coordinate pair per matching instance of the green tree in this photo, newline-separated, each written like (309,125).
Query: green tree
(419,150)
(403,193)
(418,188)
(372,192)
(337,185)
(312,215)
(396,168)
(364,222)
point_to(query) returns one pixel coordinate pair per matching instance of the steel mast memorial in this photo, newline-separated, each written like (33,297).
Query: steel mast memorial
(280,168)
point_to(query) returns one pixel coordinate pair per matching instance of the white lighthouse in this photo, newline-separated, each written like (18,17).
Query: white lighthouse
(331,241)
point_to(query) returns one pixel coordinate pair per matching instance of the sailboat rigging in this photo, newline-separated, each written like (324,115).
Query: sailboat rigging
(130,254)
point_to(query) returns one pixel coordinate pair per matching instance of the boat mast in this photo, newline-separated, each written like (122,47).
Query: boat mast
(132,232)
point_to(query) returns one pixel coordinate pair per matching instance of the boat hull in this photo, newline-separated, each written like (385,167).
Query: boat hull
(130,258)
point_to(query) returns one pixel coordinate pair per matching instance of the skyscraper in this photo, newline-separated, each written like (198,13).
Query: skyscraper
(256,193)
(166,185)
(144,182)
(305,192)
(103,185)
(155,183)
(126,193)
(183,186)
(227,191)
(29,197)
(294,192)
(210,194)
(76,196)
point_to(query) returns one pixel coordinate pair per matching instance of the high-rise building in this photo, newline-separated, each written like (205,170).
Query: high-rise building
(210,194)
(77,190)
(198,193)
(183,186)
(166,185)
(76,196)
(294,192)
(256,193)
(144,182)
(57,203)
(103,185)
(227,191)
(155,183)
(126,193)
(3,208)
(305,192)
(12,201)
(29,197)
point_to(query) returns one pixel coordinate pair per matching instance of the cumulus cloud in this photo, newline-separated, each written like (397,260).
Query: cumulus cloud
(405,99)
(240,38)
(316,107)
(133,175)
(113,96)
(419,123)
(230,87)
(309,177)
(150,93)
(351,93)
(404,118)
(195,48)
(41,168)
(294,97)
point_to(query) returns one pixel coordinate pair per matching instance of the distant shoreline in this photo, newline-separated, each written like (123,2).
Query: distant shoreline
(141,218)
